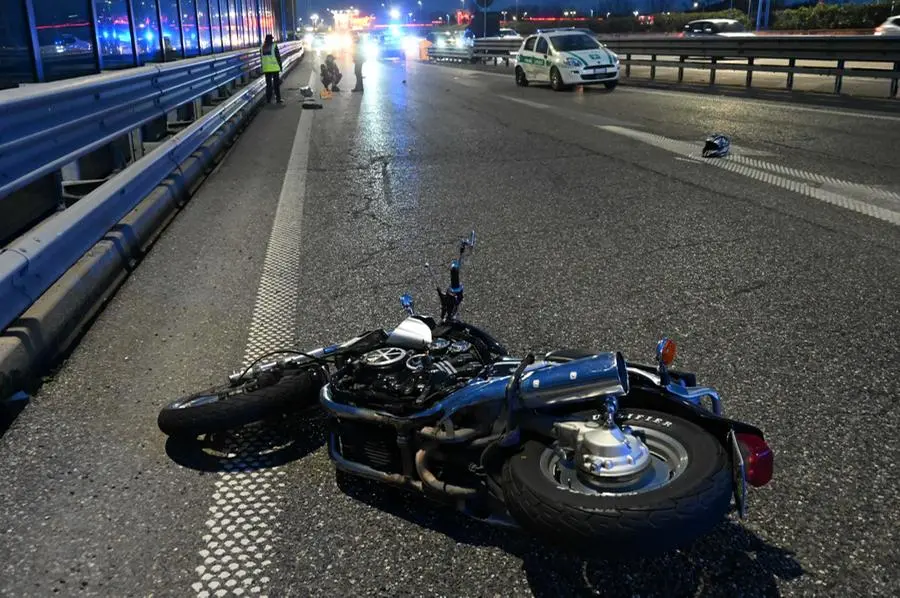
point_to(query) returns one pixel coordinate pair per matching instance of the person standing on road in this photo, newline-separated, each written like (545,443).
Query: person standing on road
(271,68)
(359,56)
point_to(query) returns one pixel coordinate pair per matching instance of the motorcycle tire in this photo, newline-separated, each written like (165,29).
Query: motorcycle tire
(226,407)
(643,524)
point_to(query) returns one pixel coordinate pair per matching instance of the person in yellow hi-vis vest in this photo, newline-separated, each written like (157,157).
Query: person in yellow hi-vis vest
(271,67)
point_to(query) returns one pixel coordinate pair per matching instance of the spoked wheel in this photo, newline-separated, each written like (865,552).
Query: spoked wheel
(228,407)
(681,494)
(521,80)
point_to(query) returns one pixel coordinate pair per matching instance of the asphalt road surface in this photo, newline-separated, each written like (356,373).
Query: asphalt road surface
(776,271)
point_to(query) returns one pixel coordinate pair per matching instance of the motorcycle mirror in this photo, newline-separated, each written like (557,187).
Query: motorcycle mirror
(431,274)
(469,242)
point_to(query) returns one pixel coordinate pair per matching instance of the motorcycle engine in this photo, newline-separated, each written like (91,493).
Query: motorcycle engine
(401,381)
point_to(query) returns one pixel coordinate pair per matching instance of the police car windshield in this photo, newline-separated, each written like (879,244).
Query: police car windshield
(574,42)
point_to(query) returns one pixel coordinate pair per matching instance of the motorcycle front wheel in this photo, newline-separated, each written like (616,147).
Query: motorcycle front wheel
(684,494)
(228,407)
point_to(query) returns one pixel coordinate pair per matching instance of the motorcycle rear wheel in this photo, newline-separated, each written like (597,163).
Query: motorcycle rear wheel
(227,407)
(688,503)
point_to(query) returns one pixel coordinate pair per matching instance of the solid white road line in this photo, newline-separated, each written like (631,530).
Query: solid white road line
(238,539)
(865,199)
(526,102)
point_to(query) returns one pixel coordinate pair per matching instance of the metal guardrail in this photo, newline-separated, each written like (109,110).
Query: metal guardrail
(837,50)
(496,47)
(33,263)
(454,53)
(862,48)
(45,126)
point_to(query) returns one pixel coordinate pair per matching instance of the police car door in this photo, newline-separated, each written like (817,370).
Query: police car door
(526,57)
(541,60)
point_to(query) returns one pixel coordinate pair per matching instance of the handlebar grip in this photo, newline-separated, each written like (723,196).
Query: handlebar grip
(454,275)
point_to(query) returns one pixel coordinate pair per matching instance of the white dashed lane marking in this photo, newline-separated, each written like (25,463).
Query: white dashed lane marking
(865,199)
(239,535)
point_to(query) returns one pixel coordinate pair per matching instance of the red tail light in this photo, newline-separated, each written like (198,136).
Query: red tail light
(758,459)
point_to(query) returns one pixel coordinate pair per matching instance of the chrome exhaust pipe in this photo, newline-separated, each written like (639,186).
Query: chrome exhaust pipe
(495,520)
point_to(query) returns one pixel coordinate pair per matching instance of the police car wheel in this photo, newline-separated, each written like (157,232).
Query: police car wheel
(610,85)
(556,81)
(521,80)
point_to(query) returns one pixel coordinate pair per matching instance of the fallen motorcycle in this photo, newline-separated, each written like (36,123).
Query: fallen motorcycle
(580,448)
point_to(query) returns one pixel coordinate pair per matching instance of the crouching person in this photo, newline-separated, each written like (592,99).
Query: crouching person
(330,74)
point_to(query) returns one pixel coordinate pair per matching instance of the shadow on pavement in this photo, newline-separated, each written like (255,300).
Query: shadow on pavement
(10,410)
(266,444)
(730,561)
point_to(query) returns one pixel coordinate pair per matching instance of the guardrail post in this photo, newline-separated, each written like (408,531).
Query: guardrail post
(839,78)
(792,64)
(895,82)
(681,60)
(712,71)
(628,65)
(653,67)
(136,141)
(749,72)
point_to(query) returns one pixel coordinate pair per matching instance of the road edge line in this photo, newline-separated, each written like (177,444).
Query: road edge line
(237,540)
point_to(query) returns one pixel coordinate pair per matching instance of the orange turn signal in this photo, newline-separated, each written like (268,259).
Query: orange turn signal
(666,350)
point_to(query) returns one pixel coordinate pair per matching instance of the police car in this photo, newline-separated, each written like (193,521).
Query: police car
(565,57)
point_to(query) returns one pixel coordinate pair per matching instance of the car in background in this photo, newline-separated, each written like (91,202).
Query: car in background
(564,58)
(715,28)
(891,27)
(507,33)
(67,44)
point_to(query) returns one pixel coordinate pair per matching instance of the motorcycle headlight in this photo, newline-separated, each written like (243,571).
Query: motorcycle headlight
(572,62)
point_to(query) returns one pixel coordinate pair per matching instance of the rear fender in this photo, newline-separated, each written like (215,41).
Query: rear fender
(646,396)
(657,400)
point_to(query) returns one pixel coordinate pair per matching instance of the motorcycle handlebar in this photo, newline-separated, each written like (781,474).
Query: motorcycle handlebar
(454,275)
